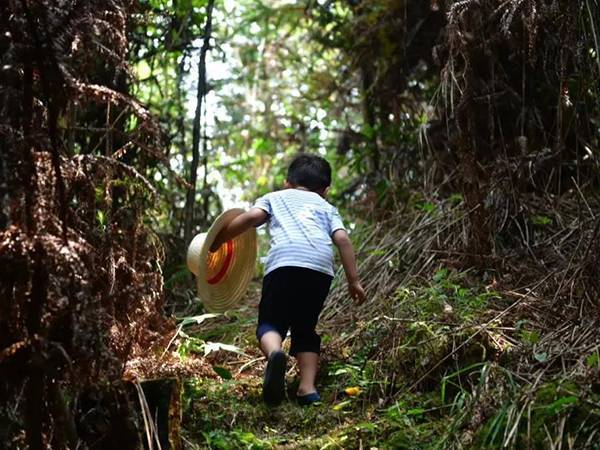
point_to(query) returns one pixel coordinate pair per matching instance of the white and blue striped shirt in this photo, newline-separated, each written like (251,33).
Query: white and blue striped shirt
(301,224)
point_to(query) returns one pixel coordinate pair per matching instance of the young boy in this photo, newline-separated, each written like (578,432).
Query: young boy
(298,272)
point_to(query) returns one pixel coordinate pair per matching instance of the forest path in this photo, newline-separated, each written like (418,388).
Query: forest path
(426,334)
(228,411)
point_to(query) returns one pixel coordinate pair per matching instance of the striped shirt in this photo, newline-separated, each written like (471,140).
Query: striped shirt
(301,224)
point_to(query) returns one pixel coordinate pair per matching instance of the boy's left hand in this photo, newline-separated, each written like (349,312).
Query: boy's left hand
(357,292)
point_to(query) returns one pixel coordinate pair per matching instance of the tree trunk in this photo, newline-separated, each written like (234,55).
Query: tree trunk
(370,118)
(200,94)
(473,187)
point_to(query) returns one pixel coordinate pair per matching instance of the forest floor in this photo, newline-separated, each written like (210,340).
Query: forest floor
(437,368)
(228,411)
(440,356)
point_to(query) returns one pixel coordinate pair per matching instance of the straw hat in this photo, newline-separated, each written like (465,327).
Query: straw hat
(222,277)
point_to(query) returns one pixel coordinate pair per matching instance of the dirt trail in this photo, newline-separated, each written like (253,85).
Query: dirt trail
(227,411)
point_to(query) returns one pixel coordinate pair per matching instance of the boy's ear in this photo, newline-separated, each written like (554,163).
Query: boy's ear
(325,192)
(287,184)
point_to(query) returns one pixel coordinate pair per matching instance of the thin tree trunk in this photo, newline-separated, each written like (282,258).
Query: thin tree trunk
(473,186)
(369,117)
(201,93)
(182,147)
(34,399)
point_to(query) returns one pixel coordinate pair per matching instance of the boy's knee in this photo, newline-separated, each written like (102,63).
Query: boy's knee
(265,328)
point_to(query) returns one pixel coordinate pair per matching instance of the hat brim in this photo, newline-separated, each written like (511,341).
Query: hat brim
(230,287)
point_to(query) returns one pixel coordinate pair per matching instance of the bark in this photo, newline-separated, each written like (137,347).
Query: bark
(369,116)
(473,187)
(35,384)
(200,94)
(50,75)
(28,171)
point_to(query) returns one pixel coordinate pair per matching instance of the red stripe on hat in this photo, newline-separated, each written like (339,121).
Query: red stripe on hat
(228,257)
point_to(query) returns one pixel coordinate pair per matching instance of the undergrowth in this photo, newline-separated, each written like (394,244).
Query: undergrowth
(435,370)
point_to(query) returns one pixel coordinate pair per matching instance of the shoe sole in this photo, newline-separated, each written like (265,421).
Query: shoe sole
(274,382)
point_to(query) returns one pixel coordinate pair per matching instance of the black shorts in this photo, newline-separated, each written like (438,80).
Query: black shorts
(292,298)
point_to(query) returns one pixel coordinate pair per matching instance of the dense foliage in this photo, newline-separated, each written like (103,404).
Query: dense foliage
(465,142)
(81,288)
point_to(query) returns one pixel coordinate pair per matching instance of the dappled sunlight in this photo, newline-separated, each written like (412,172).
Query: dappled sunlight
(463,139)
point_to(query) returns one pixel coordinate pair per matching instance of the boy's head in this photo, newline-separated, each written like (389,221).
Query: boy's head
(309,171)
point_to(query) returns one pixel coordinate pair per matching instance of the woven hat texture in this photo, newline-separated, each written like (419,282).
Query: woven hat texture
(222,277)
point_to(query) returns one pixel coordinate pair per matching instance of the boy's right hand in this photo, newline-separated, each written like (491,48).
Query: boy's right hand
(251,218)
(357,292)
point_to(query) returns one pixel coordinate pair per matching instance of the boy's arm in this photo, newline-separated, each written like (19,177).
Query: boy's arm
(254,217)
(344,245)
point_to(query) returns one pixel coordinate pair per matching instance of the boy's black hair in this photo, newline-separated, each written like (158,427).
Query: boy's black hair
(309,171)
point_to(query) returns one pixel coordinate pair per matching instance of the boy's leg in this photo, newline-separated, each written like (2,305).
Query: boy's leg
(270,342)
(273,324)
(274,379)
(312,290)
(308,364)
(272,321)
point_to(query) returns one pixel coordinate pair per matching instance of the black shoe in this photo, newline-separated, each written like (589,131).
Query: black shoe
(308,399)
(274,382)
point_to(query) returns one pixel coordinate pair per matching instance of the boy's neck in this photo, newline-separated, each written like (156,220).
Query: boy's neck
(302,188)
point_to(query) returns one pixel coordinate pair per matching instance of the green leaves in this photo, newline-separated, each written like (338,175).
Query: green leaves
(447,380)
(142,70)
(593,360)
(440,275)
(222,372)
(193,344)
(238,439)
(541,220)
(531,337)
(263,145)
(560,404)
(101,219)
(197,319)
